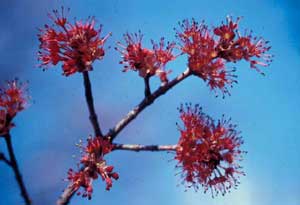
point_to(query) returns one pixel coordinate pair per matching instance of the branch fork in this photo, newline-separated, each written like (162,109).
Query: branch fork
(149,98)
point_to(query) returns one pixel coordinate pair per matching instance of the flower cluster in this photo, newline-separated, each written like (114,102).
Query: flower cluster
(208,152)
(234,47)
(13,99)
(147,62)
(208,51)
(93,166)
(76,45)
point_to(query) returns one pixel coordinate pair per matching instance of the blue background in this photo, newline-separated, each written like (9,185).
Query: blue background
(266,109)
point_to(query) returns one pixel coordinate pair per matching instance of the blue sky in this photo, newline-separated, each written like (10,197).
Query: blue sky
(265,108)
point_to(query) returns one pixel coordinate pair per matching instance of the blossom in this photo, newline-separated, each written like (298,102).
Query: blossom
(147,62)
(209,50)
(13,99)
(94,166)
(208,152)
(203,59)
(81,179)
(226,32)
(76,45)
(234,47)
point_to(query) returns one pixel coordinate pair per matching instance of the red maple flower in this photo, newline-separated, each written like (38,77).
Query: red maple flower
(81,179)
(94,166)
(234,47)
(227,32)
(208,152)
(208,51)
(147,62)
(13,99)
(75,45)
(203,59)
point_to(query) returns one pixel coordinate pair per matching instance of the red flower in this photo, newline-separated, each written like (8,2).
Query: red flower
(208,152)
(208,51)
(76,45)
(147,62)
(94,166)
(81,179)
(234,47)
(13,99)
(203,59)
(98,145)
(227,32)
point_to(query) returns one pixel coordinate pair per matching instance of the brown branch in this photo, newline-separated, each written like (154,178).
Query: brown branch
(4,159)
(64,199)
(70,191)
(90,103)
(138,147)
(15,167)
(145,103)
(66,195)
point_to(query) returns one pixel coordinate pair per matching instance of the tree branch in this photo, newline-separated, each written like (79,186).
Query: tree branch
(14,166)
(145,103)
(4,159)
(138,147)
(90,103)
(147,91)
(66,195)
(70,191)
(64,199)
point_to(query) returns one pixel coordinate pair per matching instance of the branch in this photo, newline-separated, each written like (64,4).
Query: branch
(4,159)
(145,103)
(138,147)
(70,191)
(14,166)
(64,199)
(90,103)
(66,195)
(147,91)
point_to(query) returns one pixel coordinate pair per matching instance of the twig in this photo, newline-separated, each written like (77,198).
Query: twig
(14,166)
(145,103)
(67,194)
(138,147)
(90,103)
(70,191)
(147,87)
(4,159)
